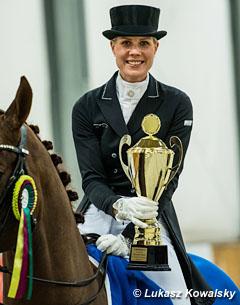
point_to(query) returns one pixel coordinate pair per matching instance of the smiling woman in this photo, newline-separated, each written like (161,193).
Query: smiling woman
(111,205)
(134,56)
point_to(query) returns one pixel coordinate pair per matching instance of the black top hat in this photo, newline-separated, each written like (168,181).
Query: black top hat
(134,20)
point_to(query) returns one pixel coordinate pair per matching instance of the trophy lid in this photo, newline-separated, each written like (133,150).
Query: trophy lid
(151,125)
(150,142)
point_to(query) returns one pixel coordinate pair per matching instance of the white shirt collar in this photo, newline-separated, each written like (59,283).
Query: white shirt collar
(130,91)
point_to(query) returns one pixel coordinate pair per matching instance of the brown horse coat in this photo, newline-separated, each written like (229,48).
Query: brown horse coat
(59,251)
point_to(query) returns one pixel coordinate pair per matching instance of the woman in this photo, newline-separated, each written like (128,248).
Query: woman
(102,116)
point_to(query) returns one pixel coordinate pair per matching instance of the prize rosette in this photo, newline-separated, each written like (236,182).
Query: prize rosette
(24,202)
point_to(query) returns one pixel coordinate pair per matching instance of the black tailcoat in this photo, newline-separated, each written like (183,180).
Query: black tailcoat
(98,125)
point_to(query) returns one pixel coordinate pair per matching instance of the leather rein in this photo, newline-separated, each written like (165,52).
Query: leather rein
(19,170)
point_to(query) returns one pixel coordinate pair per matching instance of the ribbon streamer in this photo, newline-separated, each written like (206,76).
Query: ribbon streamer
(17,267)
(23,276)
(24,200)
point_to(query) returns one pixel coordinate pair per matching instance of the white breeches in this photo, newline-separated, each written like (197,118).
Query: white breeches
(96,221)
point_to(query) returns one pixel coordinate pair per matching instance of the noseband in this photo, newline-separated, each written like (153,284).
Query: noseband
(19,170)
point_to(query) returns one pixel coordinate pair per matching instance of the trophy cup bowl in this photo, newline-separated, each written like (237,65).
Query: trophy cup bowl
(150,169)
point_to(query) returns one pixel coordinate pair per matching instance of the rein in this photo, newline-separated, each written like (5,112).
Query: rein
(19,170)
(102,267)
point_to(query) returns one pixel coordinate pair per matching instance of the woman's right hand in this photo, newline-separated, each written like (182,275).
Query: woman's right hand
(134,209)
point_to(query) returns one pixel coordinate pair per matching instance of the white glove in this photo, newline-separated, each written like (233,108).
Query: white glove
(113,244)
(135,208)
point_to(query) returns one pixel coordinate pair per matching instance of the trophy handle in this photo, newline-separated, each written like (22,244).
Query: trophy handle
(126,139)
(175,141)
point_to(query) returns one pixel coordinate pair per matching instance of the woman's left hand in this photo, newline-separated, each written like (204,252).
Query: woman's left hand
(113,244)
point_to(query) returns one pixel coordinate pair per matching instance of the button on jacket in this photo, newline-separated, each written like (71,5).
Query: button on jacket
(98,126)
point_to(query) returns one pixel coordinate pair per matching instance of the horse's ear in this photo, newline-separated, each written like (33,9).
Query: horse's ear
(19,109)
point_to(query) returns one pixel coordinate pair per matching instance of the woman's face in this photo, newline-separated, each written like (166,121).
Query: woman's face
(134,56)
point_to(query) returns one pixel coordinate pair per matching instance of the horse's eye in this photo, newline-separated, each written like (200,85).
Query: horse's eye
(1,174)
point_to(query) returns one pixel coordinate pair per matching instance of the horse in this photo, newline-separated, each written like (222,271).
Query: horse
(59,252)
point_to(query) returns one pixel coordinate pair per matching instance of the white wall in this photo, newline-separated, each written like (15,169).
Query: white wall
(195,56)
(23,52)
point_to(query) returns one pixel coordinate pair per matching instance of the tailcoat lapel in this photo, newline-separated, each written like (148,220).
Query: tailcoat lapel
(149,103)
(111,108)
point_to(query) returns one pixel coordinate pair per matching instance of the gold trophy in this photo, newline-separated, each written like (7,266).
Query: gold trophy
(150,169)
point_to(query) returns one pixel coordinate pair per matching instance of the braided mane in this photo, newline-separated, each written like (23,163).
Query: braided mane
(58,163)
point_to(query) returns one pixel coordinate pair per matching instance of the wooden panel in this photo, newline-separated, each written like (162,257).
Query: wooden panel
(227,257)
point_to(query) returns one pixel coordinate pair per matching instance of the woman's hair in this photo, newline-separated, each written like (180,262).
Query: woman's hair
(153,38)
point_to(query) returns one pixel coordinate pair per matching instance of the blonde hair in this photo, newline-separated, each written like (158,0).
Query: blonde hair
(114,40)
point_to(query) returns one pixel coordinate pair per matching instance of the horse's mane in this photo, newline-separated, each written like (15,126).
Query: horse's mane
(57,161)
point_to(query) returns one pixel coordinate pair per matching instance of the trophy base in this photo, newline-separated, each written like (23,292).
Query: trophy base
(148,258)
(142,267)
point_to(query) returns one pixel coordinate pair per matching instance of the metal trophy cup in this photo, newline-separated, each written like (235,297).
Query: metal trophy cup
(150,170)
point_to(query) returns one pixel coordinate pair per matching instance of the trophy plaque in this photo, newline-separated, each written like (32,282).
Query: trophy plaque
(150,169)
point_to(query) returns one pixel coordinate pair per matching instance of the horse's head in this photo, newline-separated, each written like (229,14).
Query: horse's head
(50,212)
(10,137)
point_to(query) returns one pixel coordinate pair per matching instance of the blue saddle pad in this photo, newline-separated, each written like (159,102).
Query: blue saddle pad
(218,280)
(127,284)
(128,287)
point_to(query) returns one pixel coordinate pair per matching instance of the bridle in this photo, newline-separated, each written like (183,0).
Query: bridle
(19,170)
